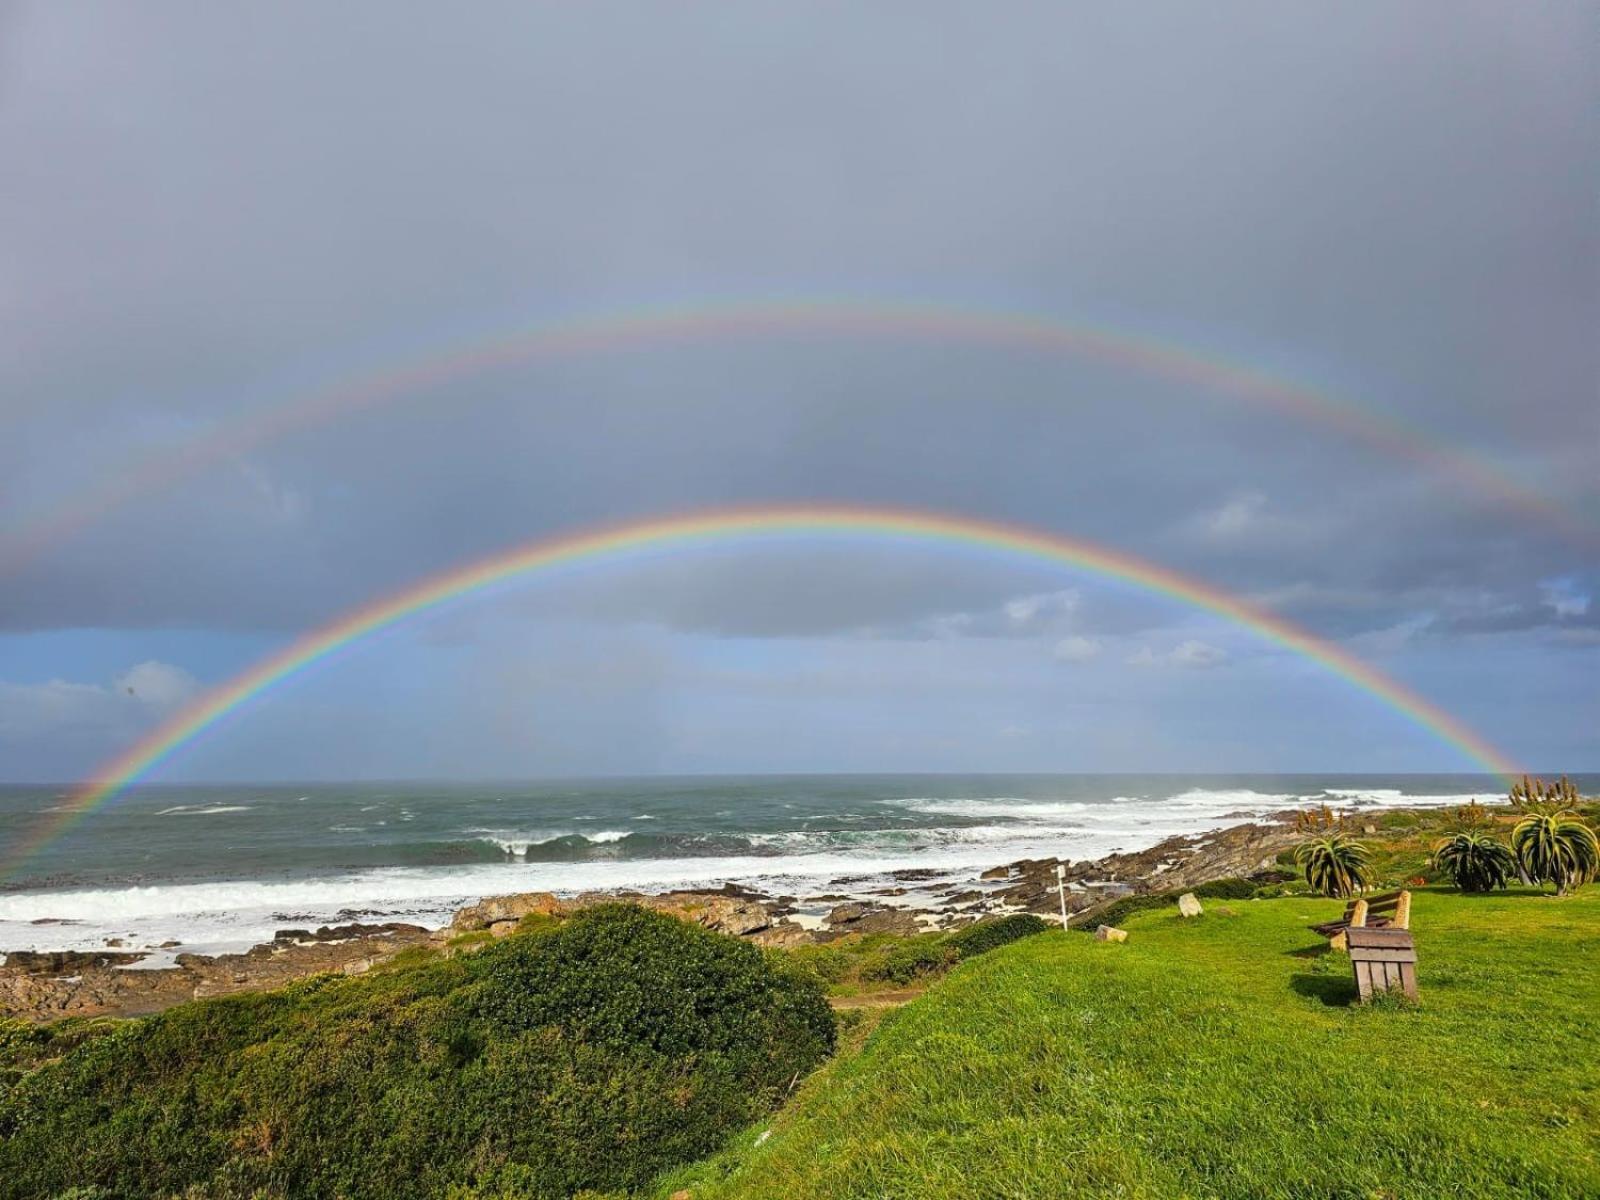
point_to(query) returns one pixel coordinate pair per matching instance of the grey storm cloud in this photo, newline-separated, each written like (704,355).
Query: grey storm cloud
(205,214)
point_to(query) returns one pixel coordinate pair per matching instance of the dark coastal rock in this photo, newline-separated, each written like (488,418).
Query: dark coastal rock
(47,987)
(65,962)
(862,918)
(1176,864)
(916,875)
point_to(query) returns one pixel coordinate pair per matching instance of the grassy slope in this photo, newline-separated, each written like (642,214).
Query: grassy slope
(1218,1057)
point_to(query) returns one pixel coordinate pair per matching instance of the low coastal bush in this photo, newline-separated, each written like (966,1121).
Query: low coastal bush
(1218,889)
(586,1056)
(1227,889)
(875,959)
(991,935)
(910,959)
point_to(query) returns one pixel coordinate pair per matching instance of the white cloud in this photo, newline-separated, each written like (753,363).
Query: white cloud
(1192,653)
(1077,649)
(280,504)
(1379,643)
(1242,515)
(158,684)
(142,693)
(1564,597)
(1042,608)
(1035,615)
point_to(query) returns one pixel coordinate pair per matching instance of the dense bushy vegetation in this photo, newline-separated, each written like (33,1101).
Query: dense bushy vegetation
(592,1054)
(854,962)
(991,935)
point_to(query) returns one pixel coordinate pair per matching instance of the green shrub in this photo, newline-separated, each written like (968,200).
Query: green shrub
(1475,861)
(1226,889)
(1217,889)
(1122,909)
(1399,820)
(592,1055)
(991,935)
(828,964)
(1334,866)
(910,959)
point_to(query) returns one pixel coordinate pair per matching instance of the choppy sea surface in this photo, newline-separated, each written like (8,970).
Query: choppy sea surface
(223,866)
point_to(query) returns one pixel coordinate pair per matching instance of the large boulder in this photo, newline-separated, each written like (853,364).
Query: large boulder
(1108,933)
(1189,905)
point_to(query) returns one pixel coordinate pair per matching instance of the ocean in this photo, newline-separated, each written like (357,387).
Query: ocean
(222,866)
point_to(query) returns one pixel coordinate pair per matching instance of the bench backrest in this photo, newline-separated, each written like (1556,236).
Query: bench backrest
(1395,905)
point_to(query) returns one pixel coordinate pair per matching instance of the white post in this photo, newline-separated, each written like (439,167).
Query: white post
(1061,890)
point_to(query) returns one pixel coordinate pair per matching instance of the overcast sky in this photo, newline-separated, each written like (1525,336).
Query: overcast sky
(208,211)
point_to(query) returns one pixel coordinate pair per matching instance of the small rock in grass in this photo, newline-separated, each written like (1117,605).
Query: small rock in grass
(1107,933)
(1189,905)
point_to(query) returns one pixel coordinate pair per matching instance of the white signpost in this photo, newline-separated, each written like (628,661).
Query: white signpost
(1061,890)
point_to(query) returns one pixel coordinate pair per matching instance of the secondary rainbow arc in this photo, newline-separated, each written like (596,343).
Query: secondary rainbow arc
(724,525)
(679,325)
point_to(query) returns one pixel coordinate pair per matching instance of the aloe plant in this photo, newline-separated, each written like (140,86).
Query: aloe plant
(1475,861)
(1334,866)
(1534,795)
(1556,847)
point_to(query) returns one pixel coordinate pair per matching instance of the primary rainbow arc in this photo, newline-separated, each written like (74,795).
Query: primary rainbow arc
(724,525)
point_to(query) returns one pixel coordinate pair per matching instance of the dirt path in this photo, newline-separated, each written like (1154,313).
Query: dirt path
(876,999)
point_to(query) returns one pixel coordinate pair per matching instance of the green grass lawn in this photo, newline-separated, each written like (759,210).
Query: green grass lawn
(1219,1057)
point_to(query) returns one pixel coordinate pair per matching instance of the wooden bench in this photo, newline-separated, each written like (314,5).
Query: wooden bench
(1389,911)
(1383,959)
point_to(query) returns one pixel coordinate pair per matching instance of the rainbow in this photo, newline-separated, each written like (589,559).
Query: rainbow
(1473,474)
(724,525)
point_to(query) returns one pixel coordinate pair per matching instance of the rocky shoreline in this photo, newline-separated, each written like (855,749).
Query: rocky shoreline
(43,986)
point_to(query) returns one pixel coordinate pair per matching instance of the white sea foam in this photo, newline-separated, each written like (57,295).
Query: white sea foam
(1395,798)
(517,843)
(997,806)
(202,810)
(1231,799)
